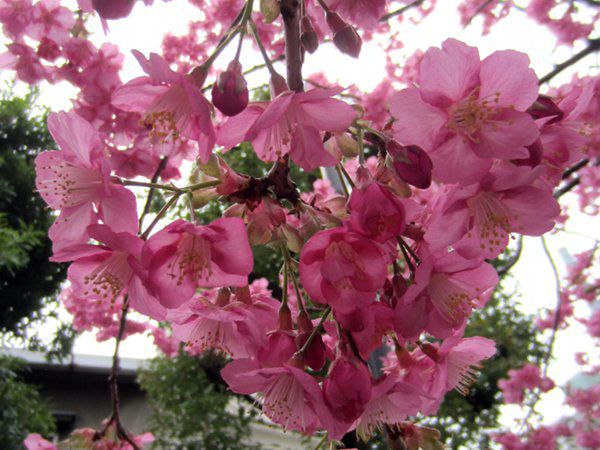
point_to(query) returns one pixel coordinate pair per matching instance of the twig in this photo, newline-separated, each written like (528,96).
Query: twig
(314,332)
(293,49)
(155,177)
(400,11)
(558,306)
(593,46)
(513,259)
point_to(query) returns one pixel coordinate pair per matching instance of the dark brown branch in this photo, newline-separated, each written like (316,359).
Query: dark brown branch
(290,12)
(400,11)
(592,47)
(113,379)
(574,168)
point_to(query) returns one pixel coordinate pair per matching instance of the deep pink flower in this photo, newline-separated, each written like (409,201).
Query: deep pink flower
(363,13)
(341,268)
(113,9)
(184,256)
(78,177)
(477,219)
(466,111)
(290,124)
(376,212)
(347,387)
(170,103)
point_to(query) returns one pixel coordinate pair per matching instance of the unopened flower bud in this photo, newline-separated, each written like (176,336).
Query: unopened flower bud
(308,37)
(277,84)
(345,37)
(113,9)
(411,163)
(198,75)
(230,91)
(285,318)
(544,106)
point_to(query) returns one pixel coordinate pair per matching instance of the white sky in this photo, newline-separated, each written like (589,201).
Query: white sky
(144,29)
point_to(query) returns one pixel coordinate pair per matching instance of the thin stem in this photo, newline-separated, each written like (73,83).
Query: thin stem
(149,184)
(513,259)
(192,210)
(400,11)
(411,267)
(350,182)
(341,177)
(154,179)
(361,147)
(261,47)
(288,259)
(314,332)
(205,185)
(402,242)
(558,305)
(593,46)
(160,214)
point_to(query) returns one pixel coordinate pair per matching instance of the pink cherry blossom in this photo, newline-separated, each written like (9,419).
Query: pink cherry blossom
(470,114)
(291,397)
(290,124)
(376,212)
(78,177)
(347,388)
(481,216)
(110,269)
(184,256)
(341,268)
(446,288)
(171,104)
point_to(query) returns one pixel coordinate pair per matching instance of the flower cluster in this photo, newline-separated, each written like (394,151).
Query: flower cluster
(463,158)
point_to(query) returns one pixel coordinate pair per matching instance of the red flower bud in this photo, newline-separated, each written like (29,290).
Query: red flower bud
(230,91)
(544,106)
(345,37)
(411,164)
(113,9)
(308,37)
(278,85)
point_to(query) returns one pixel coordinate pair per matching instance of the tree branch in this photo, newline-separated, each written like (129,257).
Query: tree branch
(293,50)
(592,47)
(400,11)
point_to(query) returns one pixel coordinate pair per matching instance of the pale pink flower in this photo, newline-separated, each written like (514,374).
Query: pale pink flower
(77,178)
(52,21)
(290,397)
(478,219)
(110,269)
(466,111)
(290,124)
(170,103)
(445,290)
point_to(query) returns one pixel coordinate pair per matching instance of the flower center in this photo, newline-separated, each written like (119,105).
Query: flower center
(108,279)
(192,260)
(469,115)
(162,124)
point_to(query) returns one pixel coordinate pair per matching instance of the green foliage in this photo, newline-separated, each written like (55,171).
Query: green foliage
(27,280)
(22,410)
(191,407)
